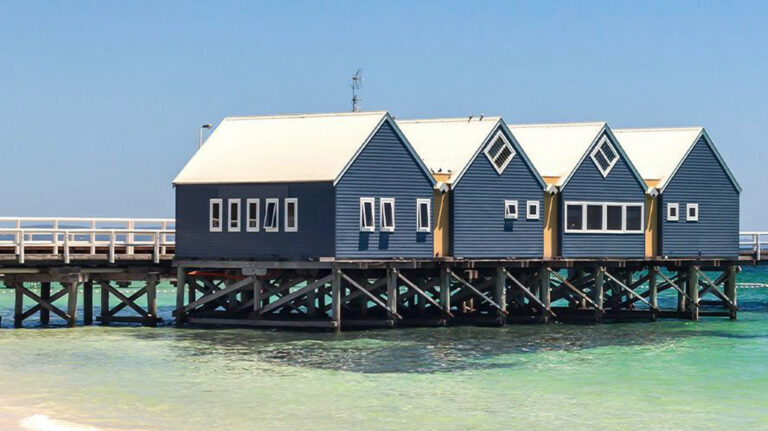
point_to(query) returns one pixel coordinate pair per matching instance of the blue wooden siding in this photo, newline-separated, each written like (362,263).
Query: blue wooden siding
(314,237)
(588,184)
(702,180)
(384,169)
(479,228)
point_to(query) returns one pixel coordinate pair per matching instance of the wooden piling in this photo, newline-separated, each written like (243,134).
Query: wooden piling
(71,303)
(18,307)
(88,303)
(730,288)
(653,290)
(681,301)
(693,291)
(544,294)
(45,293)
(392,292)
(336,298)
(500,294)
(445,288)
(181,282)
(151,319)
(599,292)
(104,309)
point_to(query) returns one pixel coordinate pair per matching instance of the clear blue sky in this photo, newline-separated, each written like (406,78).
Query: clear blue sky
(101,101)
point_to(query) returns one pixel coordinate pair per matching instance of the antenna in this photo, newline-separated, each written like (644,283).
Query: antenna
(355,84)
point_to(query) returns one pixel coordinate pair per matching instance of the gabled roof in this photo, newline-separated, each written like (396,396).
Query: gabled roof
(449,145)
(284,148)
(659,152)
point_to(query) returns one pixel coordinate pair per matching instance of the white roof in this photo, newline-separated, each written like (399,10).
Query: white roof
(447,145)
(276,148)
(556,149)
(656,153)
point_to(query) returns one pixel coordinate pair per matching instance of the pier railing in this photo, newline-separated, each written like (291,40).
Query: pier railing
(61,238)
(754,243)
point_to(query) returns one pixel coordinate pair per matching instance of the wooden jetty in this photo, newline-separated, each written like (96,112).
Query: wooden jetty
(337,294)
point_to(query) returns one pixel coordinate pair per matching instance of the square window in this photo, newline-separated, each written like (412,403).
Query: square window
(234,215)
(214,222)
(673,212)
(423,215)
(510,209)
(533,210)
(270,215)
(367,221)
(387,207)
(252,215)
(499,152)
(692,212)
(291,215)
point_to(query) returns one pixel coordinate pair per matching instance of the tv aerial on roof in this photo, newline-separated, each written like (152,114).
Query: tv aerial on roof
(355,83)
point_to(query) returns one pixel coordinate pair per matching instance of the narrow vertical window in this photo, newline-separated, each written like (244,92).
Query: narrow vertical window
(234,215)
(291,215)
(615,218)
(595,217)
(634,220)
(692,212)
(533,210)
(510,209)
(574,217)
(423,215)
(270,215)
(252,215)
(214,223)
(673,212)
(387,206)
(367,222)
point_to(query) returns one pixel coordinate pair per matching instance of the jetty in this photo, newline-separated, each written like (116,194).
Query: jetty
(63,255)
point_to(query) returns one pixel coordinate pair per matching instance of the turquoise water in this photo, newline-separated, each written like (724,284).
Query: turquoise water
(661,375)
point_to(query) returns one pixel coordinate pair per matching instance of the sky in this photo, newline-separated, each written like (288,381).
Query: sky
(100,102)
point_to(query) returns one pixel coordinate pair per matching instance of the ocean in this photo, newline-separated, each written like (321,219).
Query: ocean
(668,374)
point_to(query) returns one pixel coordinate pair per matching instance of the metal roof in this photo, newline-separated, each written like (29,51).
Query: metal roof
(658,152)
(556,149)
(281,148)
(447,145)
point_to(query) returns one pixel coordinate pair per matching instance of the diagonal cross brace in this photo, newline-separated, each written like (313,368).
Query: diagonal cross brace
(630,291)
(481,294)
(712,287)
(219,293)
(418,290)
(574,289)
(676,287)
(43,303)
(369,294)
(295,294)
(527,292)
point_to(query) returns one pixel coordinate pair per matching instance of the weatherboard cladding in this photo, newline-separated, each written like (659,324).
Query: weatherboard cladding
(588,184)
(314,237)
(479,228)
(702,180)
(384,169)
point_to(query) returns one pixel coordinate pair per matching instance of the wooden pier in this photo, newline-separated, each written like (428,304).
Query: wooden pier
(339,294)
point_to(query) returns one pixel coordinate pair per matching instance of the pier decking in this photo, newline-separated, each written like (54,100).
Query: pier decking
(338,293)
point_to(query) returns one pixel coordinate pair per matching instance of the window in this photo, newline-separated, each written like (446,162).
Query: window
(603,217)
(510,209)
(614,218)
(533,210)
(499,152)
(605,156)
(234,215)
(270,215)
(692,212)
(423,215)
(367,220)
(214,223)
(252,215)
(673,212)
(387,207)
(291,215)
(574,217)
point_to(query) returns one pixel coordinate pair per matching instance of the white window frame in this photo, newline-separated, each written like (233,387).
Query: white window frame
(220,202)
(507,214)
(528,206)
(363,202)
(239,220)
(419,227)
(670,217)
(496,137)
(276,218)
(604,228)
(295,202)
(250,216)
(604,140)
(688,208)
(382,201)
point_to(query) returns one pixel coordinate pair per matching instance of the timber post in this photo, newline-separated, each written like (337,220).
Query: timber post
(336,298)
(500,295)
(653,289)
(599,293)
(681,302)
(19,306)
(71,303)
(181,282)
(693,291)
(152,318)
(445,287)
(45,294)
(544,294)
(88,303)
(392,292)
(730,288)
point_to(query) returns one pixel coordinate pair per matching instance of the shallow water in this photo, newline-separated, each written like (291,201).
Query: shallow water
(662,375)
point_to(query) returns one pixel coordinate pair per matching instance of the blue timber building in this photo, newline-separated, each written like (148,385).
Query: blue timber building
(305,187)
(697,208)
(598,208)
(489,201)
